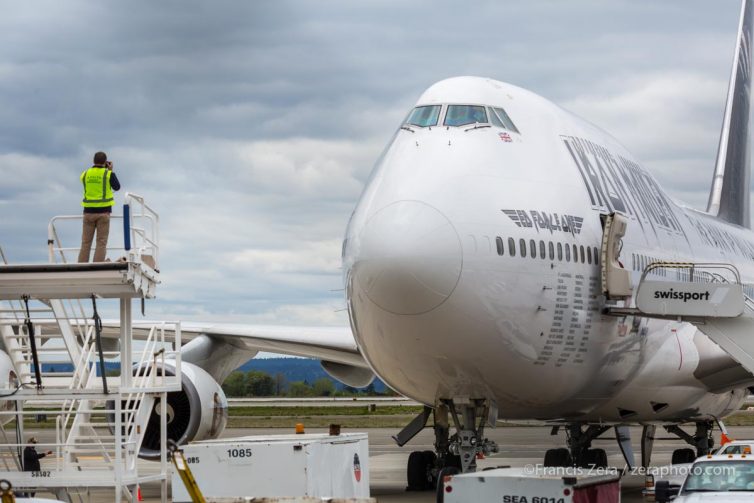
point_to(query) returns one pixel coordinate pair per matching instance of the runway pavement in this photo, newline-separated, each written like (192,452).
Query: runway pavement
(519,446)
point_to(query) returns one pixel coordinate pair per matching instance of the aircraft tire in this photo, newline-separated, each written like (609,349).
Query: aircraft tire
(418,474)
(596,458)
(558,457)
(430,458)
(681,456)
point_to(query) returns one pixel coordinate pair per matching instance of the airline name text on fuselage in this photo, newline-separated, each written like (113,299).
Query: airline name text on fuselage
(553,222)
(615,183)
(684,296)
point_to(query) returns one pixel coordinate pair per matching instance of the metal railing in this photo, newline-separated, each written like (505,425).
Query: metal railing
(103,434)
(99,423)
(702,272)
(141,234)
(60,462)
(141,229)
(690,271)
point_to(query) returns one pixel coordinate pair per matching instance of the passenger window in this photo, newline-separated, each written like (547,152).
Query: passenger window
(522,246)
(568,253)
(588,255)
(560,251)
(460,115)
(532,249)
(581,254)
(499,242)
(542,253)
(424,116)
(596,255)
(552,250)
(507,122)
(575,253)
(511,247)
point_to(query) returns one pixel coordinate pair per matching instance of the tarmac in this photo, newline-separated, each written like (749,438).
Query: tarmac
(519,446)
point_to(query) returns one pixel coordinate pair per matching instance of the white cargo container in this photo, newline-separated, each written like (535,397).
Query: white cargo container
(319,465)
(546,485)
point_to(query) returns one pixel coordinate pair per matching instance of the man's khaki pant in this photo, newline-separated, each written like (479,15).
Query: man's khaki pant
(101,223)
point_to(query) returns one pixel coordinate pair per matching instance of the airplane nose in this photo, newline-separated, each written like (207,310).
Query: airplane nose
(409,258)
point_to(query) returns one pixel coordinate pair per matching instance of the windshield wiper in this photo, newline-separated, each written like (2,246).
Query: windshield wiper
(406,128)
(478,126)
(742,489)
(703,491)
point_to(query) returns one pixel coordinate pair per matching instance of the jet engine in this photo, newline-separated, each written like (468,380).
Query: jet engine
(198,412)
(8,384)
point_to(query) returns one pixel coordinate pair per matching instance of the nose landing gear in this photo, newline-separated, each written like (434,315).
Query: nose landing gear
(469,442)
(453,454)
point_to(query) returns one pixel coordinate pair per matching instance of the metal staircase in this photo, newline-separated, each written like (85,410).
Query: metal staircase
(95,389)
(711,296)
(707,295)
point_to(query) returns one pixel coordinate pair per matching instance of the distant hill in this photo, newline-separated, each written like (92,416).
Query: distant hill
(297,369)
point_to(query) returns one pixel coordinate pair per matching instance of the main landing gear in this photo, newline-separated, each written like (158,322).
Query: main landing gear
(579,451)
(701,440)
(452,454)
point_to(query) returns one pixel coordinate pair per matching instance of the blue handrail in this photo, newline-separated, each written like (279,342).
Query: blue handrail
(127,227)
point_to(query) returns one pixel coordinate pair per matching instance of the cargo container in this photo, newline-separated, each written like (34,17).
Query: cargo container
(317,465)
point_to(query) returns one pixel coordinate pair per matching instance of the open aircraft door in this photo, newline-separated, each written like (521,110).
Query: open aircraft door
(616,279)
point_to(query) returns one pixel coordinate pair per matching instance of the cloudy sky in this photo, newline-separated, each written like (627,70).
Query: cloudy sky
(252,125)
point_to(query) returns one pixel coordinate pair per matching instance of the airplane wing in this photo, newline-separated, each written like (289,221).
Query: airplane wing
(325,343)
(334,344)
(220,348)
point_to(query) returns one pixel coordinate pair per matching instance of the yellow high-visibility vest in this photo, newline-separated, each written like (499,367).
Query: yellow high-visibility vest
(97,190)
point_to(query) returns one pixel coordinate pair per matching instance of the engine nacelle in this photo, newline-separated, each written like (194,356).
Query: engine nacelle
(198,412)
(8,384)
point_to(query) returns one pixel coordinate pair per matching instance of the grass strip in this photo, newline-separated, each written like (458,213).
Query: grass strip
(304,410)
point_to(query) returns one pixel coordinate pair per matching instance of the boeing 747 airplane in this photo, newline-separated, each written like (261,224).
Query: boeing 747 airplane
(490,271)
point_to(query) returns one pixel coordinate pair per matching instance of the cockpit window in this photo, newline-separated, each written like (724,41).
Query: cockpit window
(507,122)
(424,116)
(460,115)
(494,119)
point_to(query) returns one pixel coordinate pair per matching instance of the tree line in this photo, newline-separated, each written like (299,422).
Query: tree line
(251,383)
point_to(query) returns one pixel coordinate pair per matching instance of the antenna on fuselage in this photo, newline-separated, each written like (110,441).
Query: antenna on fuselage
(729,195)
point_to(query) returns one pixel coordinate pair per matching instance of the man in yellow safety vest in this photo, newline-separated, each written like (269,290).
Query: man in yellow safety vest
(99,183)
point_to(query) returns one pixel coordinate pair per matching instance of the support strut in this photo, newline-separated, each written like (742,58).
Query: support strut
(701,440)
(579,442)
(469,441)
(33,344)
(98,339)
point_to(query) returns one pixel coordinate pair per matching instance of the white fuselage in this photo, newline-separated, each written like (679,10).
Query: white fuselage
(438,312)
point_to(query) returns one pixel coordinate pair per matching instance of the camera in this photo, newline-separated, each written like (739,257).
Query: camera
(109,164)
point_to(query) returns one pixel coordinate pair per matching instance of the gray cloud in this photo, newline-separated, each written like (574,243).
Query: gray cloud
(252,126)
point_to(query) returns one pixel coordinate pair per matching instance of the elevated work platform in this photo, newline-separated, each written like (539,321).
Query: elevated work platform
(110,392)
(78,281)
